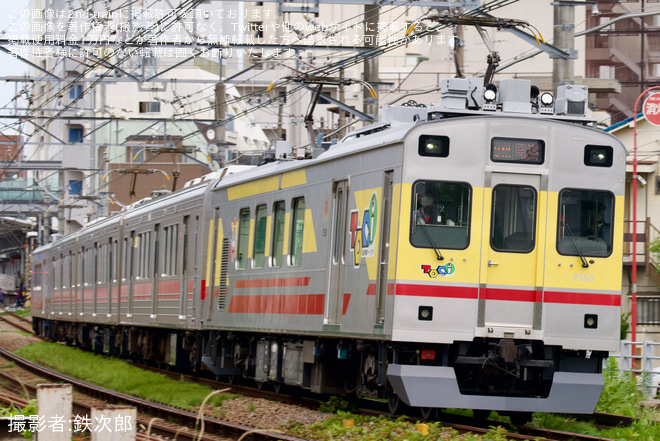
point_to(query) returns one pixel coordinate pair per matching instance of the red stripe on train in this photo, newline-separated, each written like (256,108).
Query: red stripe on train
(582,298)
(272,283)
(311,304)
(454,292)
(511,295)
(371,289)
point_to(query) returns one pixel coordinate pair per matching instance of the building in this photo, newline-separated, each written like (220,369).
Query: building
(648,223)
(624,49)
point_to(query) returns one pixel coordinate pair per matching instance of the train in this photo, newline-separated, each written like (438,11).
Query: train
(465,254)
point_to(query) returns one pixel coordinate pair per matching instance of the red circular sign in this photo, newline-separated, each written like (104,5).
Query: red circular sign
(651,109)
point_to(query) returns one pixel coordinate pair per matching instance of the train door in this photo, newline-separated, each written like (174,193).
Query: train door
(384,252)
(510,292)
(184,268)
(207,292)
(130,271)
(80,265)
(109,269)
(70,282)
(155,273)
(94,278)
(334,297)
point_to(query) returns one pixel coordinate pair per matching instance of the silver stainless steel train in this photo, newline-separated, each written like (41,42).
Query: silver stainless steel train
(463,255)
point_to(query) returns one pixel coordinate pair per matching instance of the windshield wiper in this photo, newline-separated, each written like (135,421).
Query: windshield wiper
(430,238)
(577,247)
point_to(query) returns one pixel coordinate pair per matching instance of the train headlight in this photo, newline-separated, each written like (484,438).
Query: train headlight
(425,313)
(546,103)
(598,155)
(434,145)
(547,99)
(591,321)
(490,93)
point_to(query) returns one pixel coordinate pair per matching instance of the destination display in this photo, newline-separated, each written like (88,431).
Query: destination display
(516,150)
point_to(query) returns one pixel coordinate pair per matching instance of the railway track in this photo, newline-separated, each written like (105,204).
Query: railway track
(221,429)
(23,324)
(461,424)
(214,429)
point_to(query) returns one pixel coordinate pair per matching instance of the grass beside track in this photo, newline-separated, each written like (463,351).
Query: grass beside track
(119,376)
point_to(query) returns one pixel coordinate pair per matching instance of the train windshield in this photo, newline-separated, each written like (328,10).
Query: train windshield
(514,218)
(585,223)
(440,215)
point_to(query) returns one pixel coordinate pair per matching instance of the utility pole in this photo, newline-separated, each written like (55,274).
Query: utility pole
(341,122)
(564,38)
(370,104)
(220,112)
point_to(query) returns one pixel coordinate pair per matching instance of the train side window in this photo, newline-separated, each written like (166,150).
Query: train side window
(598,155)
(278,234)
(585,224)
(243,238)
(513,222)
(56,273)
(115,261)
(167,246)
(103,264)
(433,145)
(85,266)
(147,255)
(440,215)
(93,264)
(125,261)
(37,277)
(171,251)
(137,245)
(143,245)
(66,264)
(259,237)
(81,268)
(298,225)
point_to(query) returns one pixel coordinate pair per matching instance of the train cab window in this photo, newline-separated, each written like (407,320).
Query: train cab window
(278,235)
(513,222)
(297,231)
(584,227)
(440,215)
(243,238)
(259,237)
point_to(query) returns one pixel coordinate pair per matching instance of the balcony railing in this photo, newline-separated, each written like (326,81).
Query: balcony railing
(647,233)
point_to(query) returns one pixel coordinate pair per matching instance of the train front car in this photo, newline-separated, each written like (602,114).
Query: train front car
(509,254)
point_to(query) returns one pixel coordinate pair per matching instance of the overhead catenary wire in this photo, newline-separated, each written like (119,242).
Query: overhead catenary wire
(332,67)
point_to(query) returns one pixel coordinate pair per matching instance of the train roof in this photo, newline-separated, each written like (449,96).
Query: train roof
(461,97)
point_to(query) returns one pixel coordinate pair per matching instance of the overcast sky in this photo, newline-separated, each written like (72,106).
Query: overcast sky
(10,66)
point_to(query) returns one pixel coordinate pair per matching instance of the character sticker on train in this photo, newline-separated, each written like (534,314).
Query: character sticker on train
(363,233)
(232,244)
(447,270)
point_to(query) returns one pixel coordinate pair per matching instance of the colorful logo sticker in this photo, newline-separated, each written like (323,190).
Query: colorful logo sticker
(232,245)
(363,234)
(441,270)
